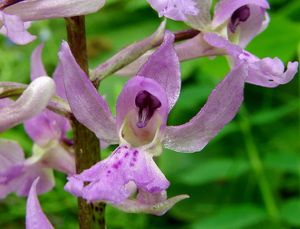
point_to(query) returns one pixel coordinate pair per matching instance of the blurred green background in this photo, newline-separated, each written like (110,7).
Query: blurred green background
(247,177)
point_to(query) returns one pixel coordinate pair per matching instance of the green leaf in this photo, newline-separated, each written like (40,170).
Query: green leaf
(214,170)
(290,212)
(233,217)
(283,162)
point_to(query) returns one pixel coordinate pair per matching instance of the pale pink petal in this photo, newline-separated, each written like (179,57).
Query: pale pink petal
(163,66)
(143,119)
(220,108)
(21,185)
(266,72)
(31,10)
(225,8)
(14,28)
(58,77)
(59,159)
(33,100)
(202,19)
(37,67)
(150,203)
(35,217)
(11,164)
(87,105)
(109,180)
(47,126)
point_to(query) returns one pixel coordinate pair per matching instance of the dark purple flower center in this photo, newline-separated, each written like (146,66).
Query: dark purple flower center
(6,3)
(147,104)
(240,15)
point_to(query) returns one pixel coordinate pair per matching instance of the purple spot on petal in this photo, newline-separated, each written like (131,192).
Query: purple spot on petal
(135,153)
(126,154)
(131,164)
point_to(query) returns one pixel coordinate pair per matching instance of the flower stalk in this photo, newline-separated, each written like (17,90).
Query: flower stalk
(87,147)
(258,168)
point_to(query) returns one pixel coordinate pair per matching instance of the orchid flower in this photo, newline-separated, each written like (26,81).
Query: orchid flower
(140,129)
(235,22)
(14,14)
(35,217)
(265,72)
(50,150)
(33,100)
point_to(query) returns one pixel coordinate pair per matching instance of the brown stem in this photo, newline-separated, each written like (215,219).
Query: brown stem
(87,147)
(185,34)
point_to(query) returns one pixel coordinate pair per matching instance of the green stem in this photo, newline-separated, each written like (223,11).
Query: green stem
(87,147)
(257,166)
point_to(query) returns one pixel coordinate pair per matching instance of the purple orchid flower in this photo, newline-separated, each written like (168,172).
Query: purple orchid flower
(237,20)
(234,24)
(35,217)
(266,72)
(14,14)
(50,151)
(33,100)
(140,129)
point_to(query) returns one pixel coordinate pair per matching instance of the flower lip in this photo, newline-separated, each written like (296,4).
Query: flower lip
(240,15)
(147,104)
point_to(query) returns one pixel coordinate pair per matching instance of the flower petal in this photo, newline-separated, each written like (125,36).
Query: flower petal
(225,8)
(269,72)
(10,154)
(158,205)
(58,77)
(37,67)
(31,10)
(245,18)
(220,108)
(34,99)
(174,9)
(109,180)
(264,72)
(21,185)
(127,110)
(5,102)
(163,66)
(202,19)
(87,105)
(35,217)
(46,126)
(254,25)
(58,158)
(14,28)
(11,164)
